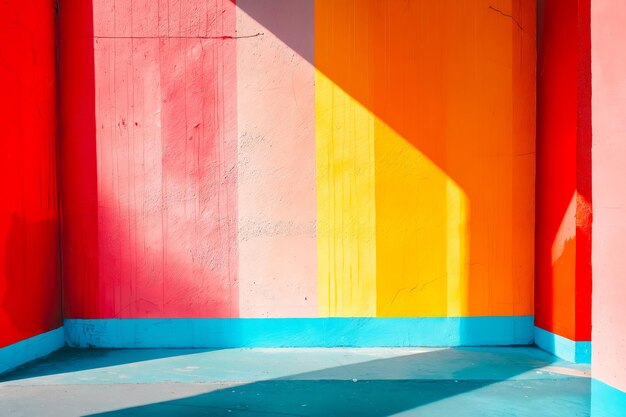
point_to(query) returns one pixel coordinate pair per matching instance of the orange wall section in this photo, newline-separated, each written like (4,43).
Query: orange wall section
(426,111)
(276,159)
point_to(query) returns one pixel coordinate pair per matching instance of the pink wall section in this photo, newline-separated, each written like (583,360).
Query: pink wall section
(148,146)
(276,184)
(609,191)
(188,149)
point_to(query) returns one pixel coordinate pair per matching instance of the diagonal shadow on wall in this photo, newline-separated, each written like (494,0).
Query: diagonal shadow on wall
(447,90)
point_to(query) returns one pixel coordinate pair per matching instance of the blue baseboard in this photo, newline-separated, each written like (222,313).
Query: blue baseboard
(607,401)
(30,349)
(299,332)
(561,347)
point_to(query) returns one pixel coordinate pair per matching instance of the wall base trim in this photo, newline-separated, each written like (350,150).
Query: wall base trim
(27,350)
(562,347)
(299,332)
(607,401)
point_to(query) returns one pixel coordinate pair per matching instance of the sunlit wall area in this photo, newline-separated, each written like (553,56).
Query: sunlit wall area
(425,158)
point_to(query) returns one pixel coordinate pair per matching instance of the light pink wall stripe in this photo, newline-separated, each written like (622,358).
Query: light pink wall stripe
(276,154)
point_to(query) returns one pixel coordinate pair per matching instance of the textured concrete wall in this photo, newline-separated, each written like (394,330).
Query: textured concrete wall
(609,196)
(30,301)
(276,159)
(149,151)
(297,158)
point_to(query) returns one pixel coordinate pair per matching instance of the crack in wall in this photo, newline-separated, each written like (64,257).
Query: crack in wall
(507,15)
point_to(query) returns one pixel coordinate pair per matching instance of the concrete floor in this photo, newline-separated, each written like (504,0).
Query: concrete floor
(470,382)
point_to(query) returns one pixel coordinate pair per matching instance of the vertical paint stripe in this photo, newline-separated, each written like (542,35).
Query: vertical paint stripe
(453,194)
(344,162)
(276,153)
(410,152)
(609,200)
(346,212)
(446,180)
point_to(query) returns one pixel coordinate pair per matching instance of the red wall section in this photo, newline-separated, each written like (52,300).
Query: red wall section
(29,256)
(563,211)
(149,154)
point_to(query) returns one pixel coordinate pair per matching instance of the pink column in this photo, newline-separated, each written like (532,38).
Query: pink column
(609,192)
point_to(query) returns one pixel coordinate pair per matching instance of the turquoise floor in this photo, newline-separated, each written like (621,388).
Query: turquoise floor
(373,382)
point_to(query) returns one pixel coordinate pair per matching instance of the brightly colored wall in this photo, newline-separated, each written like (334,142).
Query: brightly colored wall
(563,209)
(149,155)
(30,302)
(609,200)
(425,158)
(297,158)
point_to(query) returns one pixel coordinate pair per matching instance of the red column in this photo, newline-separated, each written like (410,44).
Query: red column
(563,211)
(29,258)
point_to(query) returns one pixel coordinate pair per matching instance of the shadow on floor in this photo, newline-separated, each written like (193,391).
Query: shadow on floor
(500,384)
(69,360)
(375,382)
